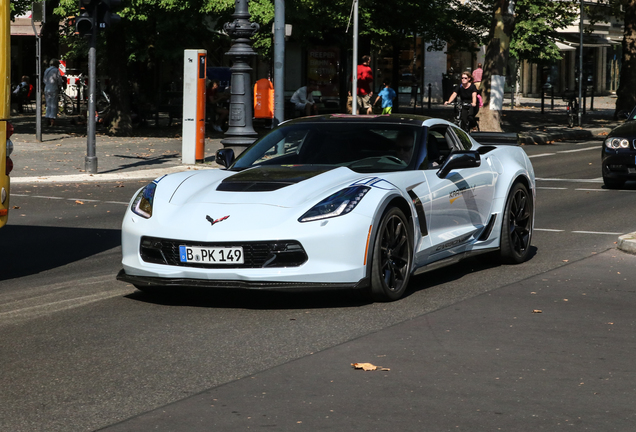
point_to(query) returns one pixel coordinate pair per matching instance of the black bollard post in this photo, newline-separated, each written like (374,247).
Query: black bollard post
(542,100)
(552,98)
(429,95)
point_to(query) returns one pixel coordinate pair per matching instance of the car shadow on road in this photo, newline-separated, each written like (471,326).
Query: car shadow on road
(256,299)
(29,249)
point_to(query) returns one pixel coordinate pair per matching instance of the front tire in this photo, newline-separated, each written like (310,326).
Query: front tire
(392,257)
(516,230)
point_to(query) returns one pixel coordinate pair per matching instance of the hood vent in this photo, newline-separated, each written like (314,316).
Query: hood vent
(267,179)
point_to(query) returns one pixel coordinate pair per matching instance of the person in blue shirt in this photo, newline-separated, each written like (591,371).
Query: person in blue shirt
(387,94)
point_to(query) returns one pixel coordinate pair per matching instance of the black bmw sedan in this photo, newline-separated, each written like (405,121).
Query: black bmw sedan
(619,154)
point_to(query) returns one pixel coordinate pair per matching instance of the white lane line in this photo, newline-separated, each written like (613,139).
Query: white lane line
(551,188)
(579,150)
(597,232)
(541,155)
(593,190)
(595,180)
(579,232)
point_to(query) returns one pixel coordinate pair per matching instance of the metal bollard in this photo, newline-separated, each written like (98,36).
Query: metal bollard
(542,100)
(552,96)
(430,92)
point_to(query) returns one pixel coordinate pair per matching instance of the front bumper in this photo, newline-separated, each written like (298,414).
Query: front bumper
(619,164)
(157,282)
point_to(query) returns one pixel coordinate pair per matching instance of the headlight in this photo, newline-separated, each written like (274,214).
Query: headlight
(338,204)
(616,143)
(142,205)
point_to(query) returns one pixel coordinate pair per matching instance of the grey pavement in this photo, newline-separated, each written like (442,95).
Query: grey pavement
(540,354)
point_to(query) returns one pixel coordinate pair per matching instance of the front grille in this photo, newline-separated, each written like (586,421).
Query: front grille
(280,253)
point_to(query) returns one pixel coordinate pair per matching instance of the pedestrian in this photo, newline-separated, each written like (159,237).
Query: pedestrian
(52,82)
(365,83)
(303,100)
(477,74)
(215,101)
(21,93)
(387,94)
(466,92)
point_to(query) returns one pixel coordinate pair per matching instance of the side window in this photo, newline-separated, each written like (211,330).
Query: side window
(438,148)
(466,143)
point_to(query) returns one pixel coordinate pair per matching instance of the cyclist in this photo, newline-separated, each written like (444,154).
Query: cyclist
(467,92)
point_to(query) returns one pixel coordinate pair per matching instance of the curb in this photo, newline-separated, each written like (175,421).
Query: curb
(148,174)
(627,243)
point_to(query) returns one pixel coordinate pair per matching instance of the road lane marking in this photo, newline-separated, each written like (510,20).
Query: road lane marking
(579,232)
(541,155)
(579,150)
(594,180)
(551,188)
(597,232)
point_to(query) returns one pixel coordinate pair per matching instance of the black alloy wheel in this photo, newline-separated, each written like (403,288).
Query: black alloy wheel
(516,230)
(392,257)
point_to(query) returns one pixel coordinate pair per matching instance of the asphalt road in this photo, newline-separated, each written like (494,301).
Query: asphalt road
(81,351)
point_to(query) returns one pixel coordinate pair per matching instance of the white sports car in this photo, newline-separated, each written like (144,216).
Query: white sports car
(333,202)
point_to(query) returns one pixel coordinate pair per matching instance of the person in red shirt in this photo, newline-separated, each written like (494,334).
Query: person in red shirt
(365,83)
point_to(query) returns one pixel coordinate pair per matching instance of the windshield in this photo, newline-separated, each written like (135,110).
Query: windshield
(360,147)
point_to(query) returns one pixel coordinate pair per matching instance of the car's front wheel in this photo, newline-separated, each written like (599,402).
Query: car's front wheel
(516,230)
(392,257)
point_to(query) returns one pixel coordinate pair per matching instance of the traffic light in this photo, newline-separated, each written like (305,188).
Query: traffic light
(105,18)
(84,22)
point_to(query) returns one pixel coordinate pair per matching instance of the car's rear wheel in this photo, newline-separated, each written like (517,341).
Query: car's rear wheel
(392,257)
(516,230)
(613,183)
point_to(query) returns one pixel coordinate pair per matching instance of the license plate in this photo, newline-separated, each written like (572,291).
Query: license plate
(211,255)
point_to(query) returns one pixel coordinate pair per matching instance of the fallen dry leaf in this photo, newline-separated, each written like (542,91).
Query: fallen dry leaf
(368,367)
(78,202)
(15,207)
(537,311)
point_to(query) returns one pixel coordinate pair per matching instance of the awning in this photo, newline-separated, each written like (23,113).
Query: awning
(22,27)
(564,47)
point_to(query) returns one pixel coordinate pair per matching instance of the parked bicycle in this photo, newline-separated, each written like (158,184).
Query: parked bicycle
(102,101)
(460,117)
(572,108)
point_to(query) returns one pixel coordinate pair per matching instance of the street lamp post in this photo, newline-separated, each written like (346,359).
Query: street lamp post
(241,133)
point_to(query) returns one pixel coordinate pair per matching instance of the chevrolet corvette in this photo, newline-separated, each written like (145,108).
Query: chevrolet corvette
(333,202)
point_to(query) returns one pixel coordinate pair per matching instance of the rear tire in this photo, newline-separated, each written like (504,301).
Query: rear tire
(516,229)
(392,257)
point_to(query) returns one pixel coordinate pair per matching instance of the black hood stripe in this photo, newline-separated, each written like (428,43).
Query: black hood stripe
(270,178)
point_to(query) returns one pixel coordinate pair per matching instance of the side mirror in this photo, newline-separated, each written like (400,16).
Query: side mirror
(459,160)
(225,157)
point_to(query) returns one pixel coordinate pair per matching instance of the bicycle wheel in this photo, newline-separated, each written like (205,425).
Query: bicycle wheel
(102,105)
(69,106)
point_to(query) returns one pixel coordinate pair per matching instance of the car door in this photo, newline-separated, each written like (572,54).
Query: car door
(461,201)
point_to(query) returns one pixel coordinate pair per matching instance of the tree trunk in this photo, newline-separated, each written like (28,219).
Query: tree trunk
(495,62)
(627,87)
(119,113)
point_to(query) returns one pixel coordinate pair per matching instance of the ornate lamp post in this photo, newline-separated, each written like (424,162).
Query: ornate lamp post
(241,133)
